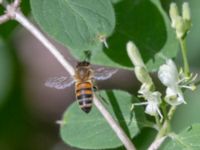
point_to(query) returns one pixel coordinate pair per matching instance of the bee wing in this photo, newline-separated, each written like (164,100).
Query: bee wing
(104,73)
(59,82)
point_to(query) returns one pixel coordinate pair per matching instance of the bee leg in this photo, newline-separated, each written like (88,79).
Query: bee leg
(95,88)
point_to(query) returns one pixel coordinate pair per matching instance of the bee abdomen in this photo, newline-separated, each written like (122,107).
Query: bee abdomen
(84,96)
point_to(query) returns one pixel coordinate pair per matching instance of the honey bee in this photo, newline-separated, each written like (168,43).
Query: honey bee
(84,80)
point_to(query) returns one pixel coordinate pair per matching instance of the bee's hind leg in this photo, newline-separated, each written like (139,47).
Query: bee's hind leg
(96,90)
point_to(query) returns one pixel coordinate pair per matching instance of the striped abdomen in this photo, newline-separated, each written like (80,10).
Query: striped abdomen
(84,95)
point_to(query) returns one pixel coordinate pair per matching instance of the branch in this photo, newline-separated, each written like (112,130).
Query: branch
(164,131)
(16,3)
(15,14)
(19,17)
(4,18)
(10,10)
(157,143)
(114,125)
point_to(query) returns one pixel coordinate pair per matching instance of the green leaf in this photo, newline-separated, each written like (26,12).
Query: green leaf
(115,1)
(186,140)
(91,131)
(5,71)
(189,111)
(146,24)
(78,24)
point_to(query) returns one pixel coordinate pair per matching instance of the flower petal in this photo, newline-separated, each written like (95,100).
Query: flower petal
(168,73)
(174,97)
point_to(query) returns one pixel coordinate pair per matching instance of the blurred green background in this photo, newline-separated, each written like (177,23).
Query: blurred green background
(29,110)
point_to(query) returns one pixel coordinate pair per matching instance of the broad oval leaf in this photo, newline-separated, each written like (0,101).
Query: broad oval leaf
(146,24)
(5,71)
(78,24)
(91,131)
(115,1)
(186,140)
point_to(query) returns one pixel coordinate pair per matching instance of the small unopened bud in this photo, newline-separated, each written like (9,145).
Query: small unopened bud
(186,11)
(134,54)
(140,68)
(180,27)
(173,12)
(143,76)
(182,23)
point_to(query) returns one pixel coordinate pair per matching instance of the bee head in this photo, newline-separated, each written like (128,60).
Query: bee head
(82,64)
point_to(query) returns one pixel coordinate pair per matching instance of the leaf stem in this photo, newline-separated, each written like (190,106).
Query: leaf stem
(164,131)
(158,121)
(4,18)
(171,112)
(182,42)
(114,125)
(157,143)
(19,17)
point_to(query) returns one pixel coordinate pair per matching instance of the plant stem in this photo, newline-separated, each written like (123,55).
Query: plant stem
(161,136)
(19,17)
(171,112)
(158,121)
(157,143)
(166,125)
(114,125)
(184,55)
(164,131)
(4,18)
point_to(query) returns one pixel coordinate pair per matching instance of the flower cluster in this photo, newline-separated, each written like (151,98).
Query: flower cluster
(168,75)
(180,23)
(174,81)
(152,97)
(153,100)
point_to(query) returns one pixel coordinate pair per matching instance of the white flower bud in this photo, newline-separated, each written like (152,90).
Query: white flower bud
(181,27)
(180,23)
(143,76)
(134,54)
(173,12)
(140,69)
(168,73)
(186,11)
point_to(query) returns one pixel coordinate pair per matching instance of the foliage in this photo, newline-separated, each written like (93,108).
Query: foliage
(187,139)
(91,131)
(151,31)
